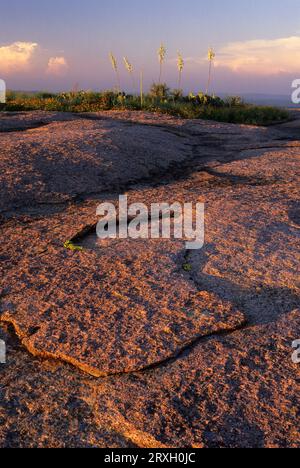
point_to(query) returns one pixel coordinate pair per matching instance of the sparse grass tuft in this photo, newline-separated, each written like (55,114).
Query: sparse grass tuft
(187,267)
(71,246)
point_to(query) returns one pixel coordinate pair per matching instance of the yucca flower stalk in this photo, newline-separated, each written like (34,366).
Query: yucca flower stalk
(128,65)
(162,51)
(142,88)
(180,66)
(211,57)
(114,64)
(130,70)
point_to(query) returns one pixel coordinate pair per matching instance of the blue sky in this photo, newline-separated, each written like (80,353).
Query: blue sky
(53,45)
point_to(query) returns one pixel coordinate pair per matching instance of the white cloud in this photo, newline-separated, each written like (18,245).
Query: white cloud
(260,57)
(57,66)
(264,57)
(17,56)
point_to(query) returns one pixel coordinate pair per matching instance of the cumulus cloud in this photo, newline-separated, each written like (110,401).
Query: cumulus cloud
(264,57)
(57,66)
(260,57)
(17,56)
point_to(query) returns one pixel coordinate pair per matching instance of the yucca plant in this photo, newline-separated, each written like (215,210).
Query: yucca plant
(159,91)
(129,68)
(211,57)
(114,64)
(162,52)
(180,66)
(177,94)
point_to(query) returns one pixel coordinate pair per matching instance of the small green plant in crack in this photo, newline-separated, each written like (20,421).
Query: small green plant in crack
(71,246)
(187,267)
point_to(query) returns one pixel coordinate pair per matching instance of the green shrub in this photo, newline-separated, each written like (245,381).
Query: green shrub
(234,101)
(206,100)
(45,95)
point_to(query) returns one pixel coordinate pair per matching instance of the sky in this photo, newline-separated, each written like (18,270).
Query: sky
(55,45)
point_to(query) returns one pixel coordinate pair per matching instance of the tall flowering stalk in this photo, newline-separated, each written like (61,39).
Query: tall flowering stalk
(114,64)
(130,70)
(180,66)
(162,52)
(142,88)
(211,57)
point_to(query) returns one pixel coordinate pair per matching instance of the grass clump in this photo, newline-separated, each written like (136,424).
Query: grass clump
(160,99)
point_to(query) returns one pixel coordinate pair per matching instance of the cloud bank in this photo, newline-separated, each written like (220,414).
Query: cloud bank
(17,56)
(263,57)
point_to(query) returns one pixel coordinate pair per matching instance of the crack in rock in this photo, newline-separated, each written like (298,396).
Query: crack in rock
(115,316)
(25,128)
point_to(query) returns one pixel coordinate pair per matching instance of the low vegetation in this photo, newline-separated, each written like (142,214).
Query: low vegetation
(160,99)
(71,246)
